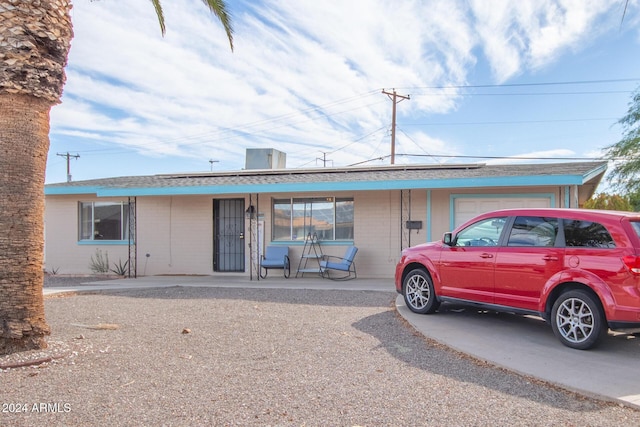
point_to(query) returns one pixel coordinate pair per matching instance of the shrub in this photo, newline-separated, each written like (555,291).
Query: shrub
(120,269)
(99,262)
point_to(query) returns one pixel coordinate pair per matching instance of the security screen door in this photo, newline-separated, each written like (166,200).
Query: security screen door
(228,235)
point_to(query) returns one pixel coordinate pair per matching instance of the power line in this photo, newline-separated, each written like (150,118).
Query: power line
(512,122)
(586,159)
(236,132)
(252,128)
(570,82)
(599,92)
(502,157)
(239,129)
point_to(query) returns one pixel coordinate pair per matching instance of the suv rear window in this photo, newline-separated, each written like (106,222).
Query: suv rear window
(636,227)
(587,234)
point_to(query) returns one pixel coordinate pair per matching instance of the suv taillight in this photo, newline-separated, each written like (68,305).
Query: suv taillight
(633,263)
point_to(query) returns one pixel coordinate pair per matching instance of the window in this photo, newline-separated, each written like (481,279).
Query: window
(484,233)
(636,227)
(533,231)
(328,217)
(104,221)
(587,234)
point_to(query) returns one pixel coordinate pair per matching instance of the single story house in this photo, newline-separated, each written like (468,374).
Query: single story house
(220,222)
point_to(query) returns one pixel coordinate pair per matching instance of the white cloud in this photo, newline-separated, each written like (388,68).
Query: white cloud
(525,34)
(305,77)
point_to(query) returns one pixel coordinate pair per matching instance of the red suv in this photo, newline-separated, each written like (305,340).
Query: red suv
(577,269)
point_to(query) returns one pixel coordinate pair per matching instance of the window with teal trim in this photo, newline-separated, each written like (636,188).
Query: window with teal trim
(330,218)
(103,221)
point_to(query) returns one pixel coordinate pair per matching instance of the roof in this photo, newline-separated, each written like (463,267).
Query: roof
(395,177)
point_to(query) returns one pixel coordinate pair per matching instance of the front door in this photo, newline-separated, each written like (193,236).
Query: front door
(228,235)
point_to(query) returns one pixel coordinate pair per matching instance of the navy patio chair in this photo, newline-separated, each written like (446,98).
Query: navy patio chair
(275,257)
(345,266)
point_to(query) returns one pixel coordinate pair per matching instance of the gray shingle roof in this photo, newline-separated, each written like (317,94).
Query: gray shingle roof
(347,179)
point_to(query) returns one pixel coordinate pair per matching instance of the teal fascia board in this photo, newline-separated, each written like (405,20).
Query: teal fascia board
(527,181)
(61,191)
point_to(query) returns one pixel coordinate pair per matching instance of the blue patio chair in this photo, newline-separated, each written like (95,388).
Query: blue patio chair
(345,265)
(275,257)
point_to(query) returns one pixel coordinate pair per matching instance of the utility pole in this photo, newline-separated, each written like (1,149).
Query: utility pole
(324,159)
(212,162)
(68,156)
(394,97)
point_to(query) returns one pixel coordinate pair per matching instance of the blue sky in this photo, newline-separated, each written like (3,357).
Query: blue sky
(489,81)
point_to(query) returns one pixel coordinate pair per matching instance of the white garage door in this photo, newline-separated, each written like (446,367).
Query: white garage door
(466,208)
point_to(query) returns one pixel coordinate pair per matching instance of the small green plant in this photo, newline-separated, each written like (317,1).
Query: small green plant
(99,262)
(120,269)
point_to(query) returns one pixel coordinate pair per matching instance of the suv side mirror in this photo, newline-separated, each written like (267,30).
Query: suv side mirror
(447,238)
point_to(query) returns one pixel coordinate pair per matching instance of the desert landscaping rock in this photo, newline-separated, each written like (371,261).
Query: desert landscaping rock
(267,357)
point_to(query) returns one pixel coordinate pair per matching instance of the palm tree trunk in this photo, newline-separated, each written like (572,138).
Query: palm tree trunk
(24,143)
(35,37)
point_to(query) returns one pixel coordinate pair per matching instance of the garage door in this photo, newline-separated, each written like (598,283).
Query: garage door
(466,208)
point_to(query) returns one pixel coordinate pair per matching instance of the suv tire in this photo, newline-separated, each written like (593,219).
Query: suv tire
(418,292)
(577,319)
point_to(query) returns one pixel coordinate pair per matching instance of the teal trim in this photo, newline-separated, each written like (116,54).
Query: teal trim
(452,205)
(428,220)
(103,242)
(56,191)
(510,181)
(453,197)
(567,196)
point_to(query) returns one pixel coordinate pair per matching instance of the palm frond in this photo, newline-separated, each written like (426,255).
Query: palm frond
(158,7)
(219,9)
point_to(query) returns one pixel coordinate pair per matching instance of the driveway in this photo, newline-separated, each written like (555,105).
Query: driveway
(527,345)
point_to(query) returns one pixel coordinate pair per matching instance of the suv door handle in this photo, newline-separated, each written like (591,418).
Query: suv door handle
(486,255)
(550,258)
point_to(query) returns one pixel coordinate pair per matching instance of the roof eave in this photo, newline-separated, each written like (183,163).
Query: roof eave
(485,182)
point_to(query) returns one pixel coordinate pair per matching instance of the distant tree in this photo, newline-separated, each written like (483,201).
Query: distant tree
(611,202)
(634,200)
(625,154)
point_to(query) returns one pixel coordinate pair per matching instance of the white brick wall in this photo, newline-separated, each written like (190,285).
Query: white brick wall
(177,232)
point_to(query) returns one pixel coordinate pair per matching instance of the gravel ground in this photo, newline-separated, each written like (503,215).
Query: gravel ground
(215,356)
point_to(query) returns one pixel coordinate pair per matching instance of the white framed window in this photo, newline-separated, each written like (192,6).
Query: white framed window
(330,218)
(103,221)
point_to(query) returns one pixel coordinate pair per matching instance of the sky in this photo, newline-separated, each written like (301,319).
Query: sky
(487,81)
